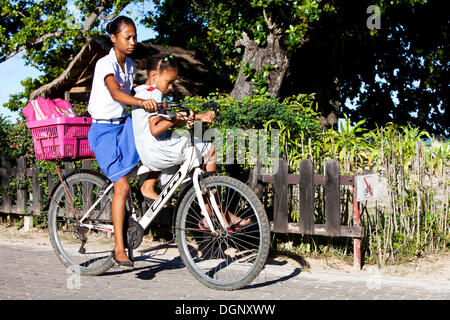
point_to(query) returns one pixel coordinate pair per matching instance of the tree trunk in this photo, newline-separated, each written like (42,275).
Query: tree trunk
(273,54)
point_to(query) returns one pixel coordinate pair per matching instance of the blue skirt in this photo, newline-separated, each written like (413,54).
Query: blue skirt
(114,148)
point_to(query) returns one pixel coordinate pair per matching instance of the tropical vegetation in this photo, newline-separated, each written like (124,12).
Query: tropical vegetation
(290,66)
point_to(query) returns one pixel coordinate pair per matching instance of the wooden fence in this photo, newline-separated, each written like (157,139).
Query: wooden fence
(21,204)
(306,179)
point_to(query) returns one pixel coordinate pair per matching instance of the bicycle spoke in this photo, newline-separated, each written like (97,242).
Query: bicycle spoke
(228,258)
(76,245)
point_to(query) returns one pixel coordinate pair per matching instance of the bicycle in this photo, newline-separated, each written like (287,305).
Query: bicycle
(221,257)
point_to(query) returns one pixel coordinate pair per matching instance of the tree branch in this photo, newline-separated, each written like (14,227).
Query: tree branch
(244,41)
(90,20)
(36,41)
(88,25)
(269,22)
(273,27)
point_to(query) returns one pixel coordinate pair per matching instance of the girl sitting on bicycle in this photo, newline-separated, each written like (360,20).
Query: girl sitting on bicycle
(160,149)
(111,135)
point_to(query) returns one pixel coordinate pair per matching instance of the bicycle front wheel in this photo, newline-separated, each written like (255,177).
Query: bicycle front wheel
(230,258)
(85,249)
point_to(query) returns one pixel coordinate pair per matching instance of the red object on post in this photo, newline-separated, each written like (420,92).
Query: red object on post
(356,242)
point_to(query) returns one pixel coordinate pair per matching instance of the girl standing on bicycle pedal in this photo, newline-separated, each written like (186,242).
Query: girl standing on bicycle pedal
(111,135)
(160,149)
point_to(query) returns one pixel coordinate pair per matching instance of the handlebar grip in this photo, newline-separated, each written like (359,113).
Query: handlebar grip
(212,106)
(167,108)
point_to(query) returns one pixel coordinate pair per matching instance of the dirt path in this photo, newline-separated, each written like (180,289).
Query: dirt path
(433,267)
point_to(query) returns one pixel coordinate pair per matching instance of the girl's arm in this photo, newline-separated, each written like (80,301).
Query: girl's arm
(120,96)
(159,124)
(207,116)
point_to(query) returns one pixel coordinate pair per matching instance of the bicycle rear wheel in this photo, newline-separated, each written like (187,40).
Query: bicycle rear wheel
(229,259)
(87,251)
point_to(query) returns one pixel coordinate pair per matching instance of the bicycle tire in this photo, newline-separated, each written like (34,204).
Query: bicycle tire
(95,256)
(228,260)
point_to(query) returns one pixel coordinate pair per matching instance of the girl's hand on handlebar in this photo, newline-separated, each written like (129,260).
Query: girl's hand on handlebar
(208,116)
(149,105)
(183,119)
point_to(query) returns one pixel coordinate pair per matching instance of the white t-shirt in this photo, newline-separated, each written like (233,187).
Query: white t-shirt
(101,104)
(164,152)
(157,153)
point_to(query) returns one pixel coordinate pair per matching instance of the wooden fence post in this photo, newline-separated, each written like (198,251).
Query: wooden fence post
(37,191)
(87,187)
(280,185)
(332,200)
(6,173)
(68,202)
(306,197)
(357,258)
(22,195)
(51,183)
(254,180)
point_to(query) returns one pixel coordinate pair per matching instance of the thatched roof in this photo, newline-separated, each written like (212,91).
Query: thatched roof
(77,78)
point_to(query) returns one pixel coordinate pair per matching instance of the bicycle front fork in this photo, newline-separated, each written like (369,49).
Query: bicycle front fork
(201,190)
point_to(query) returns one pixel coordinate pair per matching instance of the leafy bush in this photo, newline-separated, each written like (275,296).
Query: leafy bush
(415,220)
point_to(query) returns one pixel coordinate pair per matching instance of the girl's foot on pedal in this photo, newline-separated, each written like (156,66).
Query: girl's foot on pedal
(123,264)
(236,223)
(203,225)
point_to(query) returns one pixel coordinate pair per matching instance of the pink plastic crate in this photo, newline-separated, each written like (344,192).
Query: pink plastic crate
(61,138)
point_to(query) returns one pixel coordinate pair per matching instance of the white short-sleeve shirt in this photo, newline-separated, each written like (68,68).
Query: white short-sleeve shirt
(101,104)
(165,151)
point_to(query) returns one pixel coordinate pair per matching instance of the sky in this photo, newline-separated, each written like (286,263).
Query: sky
(14,70)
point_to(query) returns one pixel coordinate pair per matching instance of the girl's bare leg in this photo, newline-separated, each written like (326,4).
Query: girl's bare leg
(148,187)
(211,165)
(121,189)
(210,160)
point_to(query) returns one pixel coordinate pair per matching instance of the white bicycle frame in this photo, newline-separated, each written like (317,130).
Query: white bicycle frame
(191,163)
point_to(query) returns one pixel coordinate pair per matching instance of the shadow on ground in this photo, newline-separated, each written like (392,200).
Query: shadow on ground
(156,260)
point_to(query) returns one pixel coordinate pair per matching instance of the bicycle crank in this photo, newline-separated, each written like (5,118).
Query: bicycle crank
(80,234)
(133,236)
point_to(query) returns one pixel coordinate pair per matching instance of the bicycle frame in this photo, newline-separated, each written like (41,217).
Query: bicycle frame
(190,169)
(221,228)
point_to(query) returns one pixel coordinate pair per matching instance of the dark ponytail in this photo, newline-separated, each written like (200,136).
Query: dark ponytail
(113,27)
(160,62)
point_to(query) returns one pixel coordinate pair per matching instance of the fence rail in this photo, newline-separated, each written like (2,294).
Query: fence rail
(21,204)
(306,180)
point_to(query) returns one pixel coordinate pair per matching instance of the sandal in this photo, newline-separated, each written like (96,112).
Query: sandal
(237,225)
(123,265)
(203,225)
(231,228)
(148,202)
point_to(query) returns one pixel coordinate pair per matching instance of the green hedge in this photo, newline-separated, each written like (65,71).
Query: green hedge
(414,222)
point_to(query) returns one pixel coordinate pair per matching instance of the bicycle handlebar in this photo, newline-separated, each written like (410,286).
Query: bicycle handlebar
(170,108)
